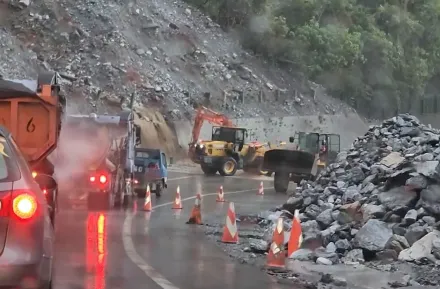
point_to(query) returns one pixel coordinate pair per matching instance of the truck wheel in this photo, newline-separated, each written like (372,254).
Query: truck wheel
(140,193)
(98,201)
(208,170)
(229,167)
(125,201)
(159,190)
(281,182)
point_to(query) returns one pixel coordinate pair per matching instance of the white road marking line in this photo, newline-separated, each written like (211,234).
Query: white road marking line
(180,178)
(137,259)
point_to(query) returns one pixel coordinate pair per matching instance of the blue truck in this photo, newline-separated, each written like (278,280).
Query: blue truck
(150,168)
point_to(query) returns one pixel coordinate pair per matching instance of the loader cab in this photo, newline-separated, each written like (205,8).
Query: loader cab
(232,135)
(312,142)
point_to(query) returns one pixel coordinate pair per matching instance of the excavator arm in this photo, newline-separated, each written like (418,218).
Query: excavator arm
(213,117)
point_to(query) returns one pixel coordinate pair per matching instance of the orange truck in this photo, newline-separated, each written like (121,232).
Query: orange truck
(32,111)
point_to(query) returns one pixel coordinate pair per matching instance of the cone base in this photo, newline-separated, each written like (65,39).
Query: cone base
(275,266)
(220,201)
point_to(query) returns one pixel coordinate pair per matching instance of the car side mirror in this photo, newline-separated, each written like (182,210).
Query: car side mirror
(291,139)
(46,182)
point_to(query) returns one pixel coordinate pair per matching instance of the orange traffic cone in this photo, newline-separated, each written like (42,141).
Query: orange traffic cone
(196,216)
(260,190)
(277,256)
(147,203)
(177,201)
(230,232)
(296,238)
(220,195)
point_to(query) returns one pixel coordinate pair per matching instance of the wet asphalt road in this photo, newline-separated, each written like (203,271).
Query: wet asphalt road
(136,249)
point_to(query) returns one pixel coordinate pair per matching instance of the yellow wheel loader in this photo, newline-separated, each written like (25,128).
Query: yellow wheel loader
(309,153)
(227,152)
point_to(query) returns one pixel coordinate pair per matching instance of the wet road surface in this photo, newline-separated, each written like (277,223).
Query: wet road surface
(136,249)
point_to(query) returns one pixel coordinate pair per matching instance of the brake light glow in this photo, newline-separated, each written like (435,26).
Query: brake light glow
(45,191)
(34,174)
(24,206)
(102,179)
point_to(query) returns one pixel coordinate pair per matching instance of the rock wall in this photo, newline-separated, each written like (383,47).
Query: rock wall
(280,128)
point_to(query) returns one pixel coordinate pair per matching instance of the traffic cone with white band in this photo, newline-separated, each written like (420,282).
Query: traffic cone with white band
(147,203)
(220,195)
(296,238)
(230,231)
(277,257)
(196,215)
(260,190)
(177,205)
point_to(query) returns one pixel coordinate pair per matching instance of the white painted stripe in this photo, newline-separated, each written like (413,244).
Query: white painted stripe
(137,259)
(180,178)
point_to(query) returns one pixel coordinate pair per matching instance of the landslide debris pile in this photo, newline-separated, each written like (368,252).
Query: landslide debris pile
(379,200)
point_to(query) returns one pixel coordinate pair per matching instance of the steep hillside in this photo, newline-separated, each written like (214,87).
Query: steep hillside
(169,55)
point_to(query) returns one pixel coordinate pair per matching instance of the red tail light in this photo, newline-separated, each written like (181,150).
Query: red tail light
(22,204)
(102,178)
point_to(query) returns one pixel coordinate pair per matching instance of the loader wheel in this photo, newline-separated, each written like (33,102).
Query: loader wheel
(281,182)
(229,167)
(260,169)
(208,170)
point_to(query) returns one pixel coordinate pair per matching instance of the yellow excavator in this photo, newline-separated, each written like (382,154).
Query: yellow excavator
(227,151)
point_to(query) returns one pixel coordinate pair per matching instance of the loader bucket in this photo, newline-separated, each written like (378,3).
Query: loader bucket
(289,161)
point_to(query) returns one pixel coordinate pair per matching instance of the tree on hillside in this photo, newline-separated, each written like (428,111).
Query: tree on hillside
(373,54)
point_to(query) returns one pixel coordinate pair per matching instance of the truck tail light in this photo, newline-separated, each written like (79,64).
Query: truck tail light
(103,179)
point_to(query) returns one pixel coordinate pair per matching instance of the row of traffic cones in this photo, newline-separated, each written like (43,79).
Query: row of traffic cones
(177,204)
(276,256)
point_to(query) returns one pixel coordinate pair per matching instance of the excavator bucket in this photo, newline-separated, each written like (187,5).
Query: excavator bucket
(289,161)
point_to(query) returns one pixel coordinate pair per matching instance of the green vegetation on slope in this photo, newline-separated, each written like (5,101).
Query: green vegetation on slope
(379,56)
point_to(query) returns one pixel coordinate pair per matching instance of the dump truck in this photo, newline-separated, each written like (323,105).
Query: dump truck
(308,154)
(32,111)
(103,175)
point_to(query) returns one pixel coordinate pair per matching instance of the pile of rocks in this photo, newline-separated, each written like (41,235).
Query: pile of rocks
(380,199)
